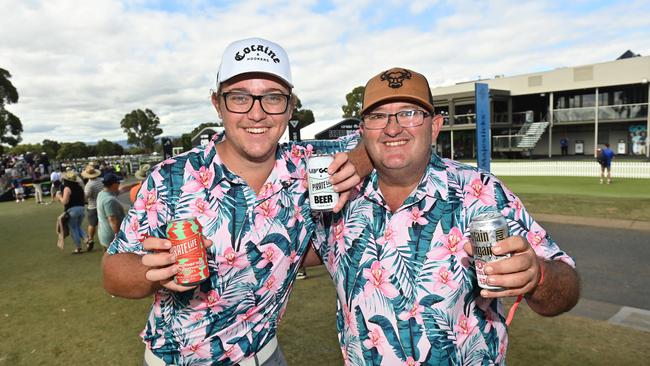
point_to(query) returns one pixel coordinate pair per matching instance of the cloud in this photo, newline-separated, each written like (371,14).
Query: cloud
(79,67)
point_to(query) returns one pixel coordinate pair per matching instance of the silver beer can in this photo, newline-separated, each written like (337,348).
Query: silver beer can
(322,197)
(485,231)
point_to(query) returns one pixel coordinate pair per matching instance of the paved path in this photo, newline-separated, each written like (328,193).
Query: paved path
(613,264)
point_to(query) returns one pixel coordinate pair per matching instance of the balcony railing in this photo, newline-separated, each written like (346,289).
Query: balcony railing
(605,113)
(505,142)
(623,111)
(464,119)
(574,114)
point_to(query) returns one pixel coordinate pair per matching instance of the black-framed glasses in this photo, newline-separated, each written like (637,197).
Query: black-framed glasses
(379,121)
(273,103)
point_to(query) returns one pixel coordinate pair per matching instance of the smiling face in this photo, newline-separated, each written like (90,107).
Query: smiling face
(399,152)
(251,136)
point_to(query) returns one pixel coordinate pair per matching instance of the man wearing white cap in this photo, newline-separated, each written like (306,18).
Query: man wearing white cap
(249,195)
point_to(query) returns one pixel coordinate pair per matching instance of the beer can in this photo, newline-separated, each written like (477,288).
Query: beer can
(322,196)
(186,236)
(485,231)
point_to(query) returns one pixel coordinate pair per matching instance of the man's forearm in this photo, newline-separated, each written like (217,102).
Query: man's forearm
(124,276)
(558,293)
(115,224)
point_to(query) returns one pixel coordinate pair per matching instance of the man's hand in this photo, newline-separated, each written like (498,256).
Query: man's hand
(162,264)
(518,274)
(343,176)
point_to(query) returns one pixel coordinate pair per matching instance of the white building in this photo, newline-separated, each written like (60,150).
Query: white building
(588,105)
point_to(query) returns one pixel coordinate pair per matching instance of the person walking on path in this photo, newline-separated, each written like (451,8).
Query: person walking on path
(92,189)
(605,160)
(72,198)
(110,212)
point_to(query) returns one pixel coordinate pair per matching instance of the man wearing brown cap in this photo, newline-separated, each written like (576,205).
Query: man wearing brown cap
(399,252)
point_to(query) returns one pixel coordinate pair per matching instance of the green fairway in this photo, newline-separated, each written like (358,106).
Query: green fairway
(627,199)
(54,311)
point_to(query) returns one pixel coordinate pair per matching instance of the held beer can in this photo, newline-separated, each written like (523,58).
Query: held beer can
(186,237)
(321,192)
(485,231)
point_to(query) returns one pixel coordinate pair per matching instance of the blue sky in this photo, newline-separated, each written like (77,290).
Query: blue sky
(81,66)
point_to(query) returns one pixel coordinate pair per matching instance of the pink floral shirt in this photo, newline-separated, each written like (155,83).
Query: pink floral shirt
(406,289)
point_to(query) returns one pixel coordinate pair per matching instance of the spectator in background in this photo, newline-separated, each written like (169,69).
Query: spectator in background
(109,210)
(55,181)
(72,198)
(564,145)
(19,190)
(605,159)
(37,179)
(92,189)
(141,174)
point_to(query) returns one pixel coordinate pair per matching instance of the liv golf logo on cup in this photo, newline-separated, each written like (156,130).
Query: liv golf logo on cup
(322,196)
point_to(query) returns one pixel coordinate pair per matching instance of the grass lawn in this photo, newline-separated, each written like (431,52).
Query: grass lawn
(626,199)
(54,310)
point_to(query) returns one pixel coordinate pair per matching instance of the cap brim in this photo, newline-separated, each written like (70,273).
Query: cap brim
(423,103)
(273,75)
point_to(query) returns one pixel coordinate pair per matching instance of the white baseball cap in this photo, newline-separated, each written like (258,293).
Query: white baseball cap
(254,55)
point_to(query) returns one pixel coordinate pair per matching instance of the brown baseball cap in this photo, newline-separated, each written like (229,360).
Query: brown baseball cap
(397,84)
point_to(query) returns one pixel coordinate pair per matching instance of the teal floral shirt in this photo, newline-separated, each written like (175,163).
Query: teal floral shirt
(407,291)
(259,241)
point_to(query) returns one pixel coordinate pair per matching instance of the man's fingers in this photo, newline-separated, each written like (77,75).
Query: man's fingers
(345,172)
(207,242)
(158,259)
(512,281)
(514,264)
(343,198)
(347,184)
(513,244)
(161,274)
(468,248)
(339,160)
(153,243)
(505,293)
(171,285)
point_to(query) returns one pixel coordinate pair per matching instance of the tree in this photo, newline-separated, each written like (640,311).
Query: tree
(355,101)
(10,125)
(72,150)
(185,142)
(305,117)
(141,128)
(51,148)
(108,148)
(25,148)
